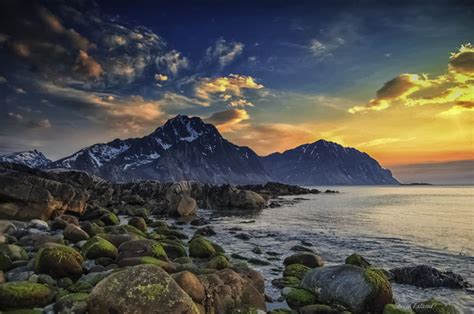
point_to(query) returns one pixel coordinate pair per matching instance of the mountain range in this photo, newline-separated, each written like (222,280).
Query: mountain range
(187,148)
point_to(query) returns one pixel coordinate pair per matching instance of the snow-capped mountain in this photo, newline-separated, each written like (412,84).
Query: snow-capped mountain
(33,158)
(183,148)
(326,163)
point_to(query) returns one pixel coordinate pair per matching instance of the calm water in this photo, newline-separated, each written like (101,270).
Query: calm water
(390,226)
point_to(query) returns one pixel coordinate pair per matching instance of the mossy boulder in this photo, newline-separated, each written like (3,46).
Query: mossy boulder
(97,247)
(58,261)
(296,270)
(20,295)
(141,260)
(358,289)
(92,228)
(433,306)
(140,289)
(307,259)
(124,229)
(139,223)
(5,262)
(173,249)
(140,248)
(110,219)
(296,297)
(287,281)
(219,262)
(201,247)
(14,252)
(393,309)
(357,260)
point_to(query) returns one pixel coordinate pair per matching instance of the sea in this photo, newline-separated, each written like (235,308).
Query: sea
(391,226)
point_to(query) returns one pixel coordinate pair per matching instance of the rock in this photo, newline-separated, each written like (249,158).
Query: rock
(296,270)
(179,201)
(201,247)
(256,261)
(257,250)
(58,261)
(187,206)
(98,247)
(38,224)
(393,309)
(141,248)
(5,262)
(124,229)
(245,199)
(173,249)
(219,262)
(110,219)
(287,281)
(139,223)
(34,194)
(206,231)
(140,289)
(433,306)
(238,256)
(296,297)
(118,239)
(310,260)
(72,303)
(243,236)
(356,288)
(428,277)
(191,285)
(199,222)
(357,260)
(300,248)
(133,261)
(74,233)
(227,291)
(14,252)
(18,295)
(321,309)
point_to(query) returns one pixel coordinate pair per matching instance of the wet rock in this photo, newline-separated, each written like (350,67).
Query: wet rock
(243,236)
(140,289)
(274,189)
(141,248)
(199,222)
(219,262)
(310,260)
(18,295)
(357,260)
(300,248)
(295,270)
(14,252)
(173,249)
(142,260)
(201,247)
(433,306)
(206,231)
(256,261)
(427,277)
(5,262)
(74,233)
(72,303)
(356,288)
(238,256)
(97,247)
(118,239)
(257,250)
(110,219)
(287,281)
(296,297)
(393,309)
(139,223)
(321,309)
(59,261)
(191,285)
(38,224)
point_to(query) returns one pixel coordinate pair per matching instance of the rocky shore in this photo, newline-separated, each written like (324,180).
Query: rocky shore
(73,243)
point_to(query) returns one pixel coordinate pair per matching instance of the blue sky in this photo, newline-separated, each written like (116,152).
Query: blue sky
(269,74)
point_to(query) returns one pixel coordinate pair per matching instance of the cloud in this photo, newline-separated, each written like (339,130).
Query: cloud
(224,52)
(30,123)
(172,62)
(240,103)
(384,141)
(228,120)
(3,80)
(318,49)
(453,88)
(87,65)
(161,77)
(15,116)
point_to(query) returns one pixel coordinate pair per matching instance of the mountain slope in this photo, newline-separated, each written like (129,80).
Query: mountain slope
(326,163)
(33,158)
(182,149)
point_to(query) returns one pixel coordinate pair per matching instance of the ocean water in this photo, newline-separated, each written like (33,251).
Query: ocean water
(390,226)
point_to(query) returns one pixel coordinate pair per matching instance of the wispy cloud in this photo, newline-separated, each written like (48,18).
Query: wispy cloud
(223,52)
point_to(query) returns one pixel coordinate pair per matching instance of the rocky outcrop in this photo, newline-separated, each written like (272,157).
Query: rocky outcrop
(428,277)
(275,189)
(360,290)
(26,193)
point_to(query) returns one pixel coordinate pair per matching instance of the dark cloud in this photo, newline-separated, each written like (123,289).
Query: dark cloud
(463,61)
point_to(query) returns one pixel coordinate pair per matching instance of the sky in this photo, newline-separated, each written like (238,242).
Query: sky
(394,79)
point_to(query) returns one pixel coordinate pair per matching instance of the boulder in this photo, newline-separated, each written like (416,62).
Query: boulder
(98,247)
(295,270)
(191,285)
(139,223)
(310,260)
(58,261)
(140,260)
(72,303)
(140,289)
(428,277)
(357,260)
(296,297)
(433,306)
(14,252)
(34,194)
(358,289)
(139,248)
(201,247)
(20,295)
(179,200)
(227,291)
(245,199)
(74,233)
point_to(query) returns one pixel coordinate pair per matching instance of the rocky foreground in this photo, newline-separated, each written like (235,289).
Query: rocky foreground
(73,243)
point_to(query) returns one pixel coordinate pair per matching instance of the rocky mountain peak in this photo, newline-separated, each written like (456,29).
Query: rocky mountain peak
(31,158)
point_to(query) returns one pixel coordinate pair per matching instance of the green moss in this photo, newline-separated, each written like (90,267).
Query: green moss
(183,260)
(5,262)
(122,229)
(320,308)
(171,233)
(393,309)
(381,288)
(94,229)
(139,223)
(219,262)
(97,247)
(80,286)
(153,261)
(160,224)
(201,247)
(433,306)
(174,250)
(17,295)
(357,260)
(14,252)
(297,298)
(75,297)
(158,251)
(110,219)
(288,281)
(58,261)
(296,270)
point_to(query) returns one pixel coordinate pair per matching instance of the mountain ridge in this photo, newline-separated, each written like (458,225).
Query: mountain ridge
(187,148)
